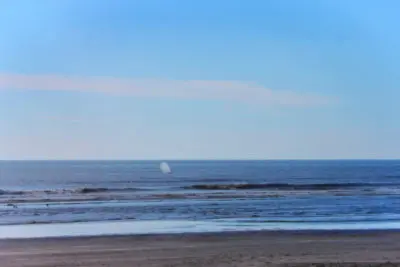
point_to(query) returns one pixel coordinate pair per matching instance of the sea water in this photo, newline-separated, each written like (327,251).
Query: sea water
(198,196)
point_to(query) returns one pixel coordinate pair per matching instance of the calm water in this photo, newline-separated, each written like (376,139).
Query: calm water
(234,192)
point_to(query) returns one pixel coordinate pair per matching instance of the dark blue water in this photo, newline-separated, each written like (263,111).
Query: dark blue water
(239,191)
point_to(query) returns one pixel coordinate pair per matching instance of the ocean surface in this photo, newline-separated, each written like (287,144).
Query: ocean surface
(237,193)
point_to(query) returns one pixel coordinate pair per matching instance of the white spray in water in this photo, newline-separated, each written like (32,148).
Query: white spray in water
(165,168)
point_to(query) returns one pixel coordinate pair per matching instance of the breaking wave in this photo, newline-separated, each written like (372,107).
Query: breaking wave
(83,190)
(284,186)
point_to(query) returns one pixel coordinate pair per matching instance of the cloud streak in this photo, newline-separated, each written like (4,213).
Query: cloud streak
(238,91)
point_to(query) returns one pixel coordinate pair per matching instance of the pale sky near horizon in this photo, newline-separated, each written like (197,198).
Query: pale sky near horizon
(209,79)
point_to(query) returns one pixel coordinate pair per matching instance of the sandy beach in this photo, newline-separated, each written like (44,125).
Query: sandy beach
(291,248)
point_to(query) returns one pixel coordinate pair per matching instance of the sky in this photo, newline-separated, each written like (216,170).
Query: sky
(209,79)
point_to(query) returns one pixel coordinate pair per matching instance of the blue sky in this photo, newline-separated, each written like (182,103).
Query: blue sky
(220,79)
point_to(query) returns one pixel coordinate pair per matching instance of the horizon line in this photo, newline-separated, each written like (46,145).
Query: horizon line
(227,159)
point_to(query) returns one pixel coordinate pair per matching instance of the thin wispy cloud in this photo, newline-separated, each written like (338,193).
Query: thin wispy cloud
(182,89)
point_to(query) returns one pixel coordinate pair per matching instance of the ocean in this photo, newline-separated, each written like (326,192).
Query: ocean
(238,193)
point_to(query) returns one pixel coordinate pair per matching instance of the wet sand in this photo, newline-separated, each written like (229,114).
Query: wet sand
(291,248)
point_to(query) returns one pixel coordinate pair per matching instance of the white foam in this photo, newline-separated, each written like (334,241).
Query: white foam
(165,227)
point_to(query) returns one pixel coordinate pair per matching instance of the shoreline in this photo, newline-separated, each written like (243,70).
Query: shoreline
(154,227)
(252,248)
(221,234)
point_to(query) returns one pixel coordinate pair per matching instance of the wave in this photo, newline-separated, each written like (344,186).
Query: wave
(83,190)
(284,186)
(10,192)
(86,190)
(392,176)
